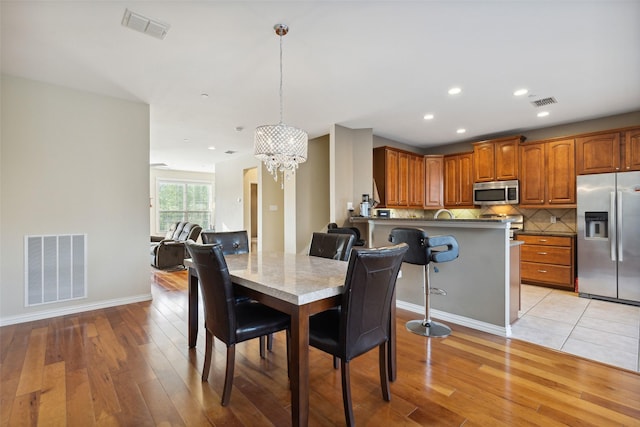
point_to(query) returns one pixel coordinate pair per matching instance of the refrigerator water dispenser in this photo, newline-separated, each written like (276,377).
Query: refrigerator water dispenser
(596,225)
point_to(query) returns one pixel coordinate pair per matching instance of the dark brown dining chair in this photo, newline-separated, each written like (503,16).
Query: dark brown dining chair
(332,246)
(226,318)
(235,242)
(362,322)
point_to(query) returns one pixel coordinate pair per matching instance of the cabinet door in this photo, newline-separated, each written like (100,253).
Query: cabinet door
(598,153)
(561,172)
(391,177)
(416,181)
(506,160)
(403,179)
(433,183)
(532,175)
(484,156)
(466,179)
(632,150)
(451,186)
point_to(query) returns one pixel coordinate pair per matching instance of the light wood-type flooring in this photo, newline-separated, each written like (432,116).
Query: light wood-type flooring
(130,366)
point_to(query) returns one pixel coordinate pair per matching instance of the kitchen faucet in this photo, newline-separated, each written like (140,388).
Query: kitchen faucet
(439,211)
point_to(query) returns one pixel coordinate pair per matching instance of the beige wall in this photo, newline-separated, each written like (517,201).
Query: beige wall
(74,163)
(156,174)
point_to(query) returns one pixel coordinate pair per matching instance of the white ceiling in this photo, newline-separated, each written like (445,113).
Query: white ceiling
(360,64)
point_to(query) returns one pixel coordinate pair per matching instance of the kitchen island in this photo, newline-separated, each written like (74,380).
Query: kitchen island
(482,285)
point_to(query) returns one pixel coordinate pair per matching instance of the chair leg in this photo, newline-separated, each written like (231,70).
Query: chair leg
(384,375)
(335,362)
(228,377)
(346,393)
(270,342)
(207,355)
(262,347)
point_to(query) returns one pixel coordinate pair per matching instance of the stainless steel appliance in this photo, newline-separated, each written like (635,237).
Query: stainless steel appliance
(496,193)
(365,206)
(609,236)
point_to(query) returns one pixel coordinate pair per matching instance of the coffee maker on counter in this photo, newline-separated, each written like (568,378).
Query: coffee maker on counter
(365,206)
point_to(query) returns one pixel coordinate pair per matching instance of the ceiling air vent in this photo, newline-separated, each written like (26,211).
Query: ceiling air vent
(145,25)
(230,152)
(544,101)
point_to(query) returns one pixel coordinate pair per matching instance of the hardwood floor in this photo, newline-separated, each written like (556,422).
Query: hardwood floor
(130,366)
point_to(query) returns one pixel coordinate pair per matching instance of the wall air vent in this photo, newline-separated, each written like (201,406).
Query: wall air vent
(544,101)
(145,25)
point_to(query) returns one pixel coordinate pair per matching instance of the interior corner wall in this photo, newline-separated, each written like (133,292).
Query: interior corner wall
(74,162)
(312,193)
(351,170)
(155,174)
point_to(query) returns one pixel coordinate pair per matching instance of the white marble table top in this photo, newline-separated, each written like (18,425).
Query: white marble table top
(295,278)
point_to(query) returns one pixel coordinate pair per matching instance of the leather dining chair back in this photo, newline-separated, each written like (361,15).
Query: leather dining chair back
(230,320)
(233,242)
(333,246)
(363,320)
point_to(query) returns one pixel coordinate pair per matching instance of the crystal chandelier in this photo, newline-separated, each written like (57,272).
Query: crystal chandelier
(281,147)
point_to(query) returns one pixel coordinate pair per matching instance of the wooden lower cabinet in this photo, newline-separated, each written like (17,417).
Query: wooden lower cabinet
(548,260)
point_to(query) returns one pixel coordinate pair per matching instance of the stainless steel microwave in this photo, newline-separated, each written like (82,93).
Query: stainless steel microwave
(496,193)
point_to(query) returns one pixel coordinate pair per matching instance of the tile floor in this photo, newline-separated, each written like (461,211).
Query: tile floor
(599,330)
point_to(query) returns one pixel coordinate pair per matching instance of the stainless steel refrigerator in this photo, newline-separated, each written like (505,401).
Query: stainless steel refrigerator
(609,236)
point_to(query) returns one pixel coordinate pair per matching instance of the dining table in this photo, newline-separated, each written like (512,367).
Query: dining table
(296,284)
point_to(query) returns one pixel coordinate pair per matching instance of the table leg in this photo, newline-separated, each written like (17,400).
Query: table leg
(193,307)
(299,369)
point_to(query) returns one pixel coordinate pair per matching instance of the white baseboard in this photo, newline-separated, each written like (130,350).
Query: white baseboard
(63,311)
(458,320)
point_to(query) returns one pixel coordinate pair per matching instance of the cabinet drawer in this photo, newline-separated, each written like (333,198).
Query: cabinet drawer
(549,273)
(546,240)
(546,254)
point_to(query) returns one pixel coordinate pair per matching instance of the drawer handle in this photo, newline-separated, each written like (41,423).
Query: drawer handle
(542,271)
(542,240)
(542,253)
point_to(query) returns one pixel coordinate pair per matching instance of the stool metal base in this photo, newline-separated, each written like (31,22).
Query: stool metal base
(428,329)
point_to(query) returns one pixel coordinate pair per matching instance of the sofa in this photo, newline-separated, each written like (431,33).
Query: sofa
(169,252)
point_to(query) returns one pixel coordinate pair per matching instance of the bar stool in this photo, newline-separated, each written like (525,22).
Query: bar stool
(421,252)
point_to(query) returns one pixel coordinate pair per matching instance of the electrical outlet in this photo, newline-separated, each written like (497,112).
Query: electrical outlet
(552,219)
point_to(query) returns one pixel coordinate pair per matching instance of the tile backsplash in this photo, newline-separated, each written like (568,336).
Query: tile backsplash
(534,219)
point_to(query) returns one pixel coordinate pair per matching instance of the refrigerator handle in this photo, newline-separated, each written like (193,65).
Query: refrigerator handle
(612,226)
(619,226)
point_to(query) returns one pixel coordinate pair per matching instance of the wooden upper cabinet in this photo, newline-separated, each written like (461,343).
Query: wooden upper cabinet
(433,195)
(484,155)
(632,150)
(458,180)
(496,160)
(385,174)
(403,179)
(547,174)
(416,180)
(598,153)
(532,174)
(507,160)
(561,172)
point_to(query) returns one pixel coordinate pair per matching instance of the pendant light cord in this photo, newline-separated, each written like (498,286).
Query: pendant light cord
(281,103)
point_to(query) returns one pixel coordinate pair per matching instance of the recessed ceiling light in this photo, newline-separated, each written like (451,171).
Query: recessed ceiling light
(455,91)
(543,114)
(211,148)
(461,130)
(428,116)
(186,140)
(239,128)
(521,92)
(204,95)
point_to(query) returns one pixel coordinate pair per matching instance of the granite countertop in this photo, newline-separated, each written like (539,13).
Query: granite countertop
(474,220)
(545,233)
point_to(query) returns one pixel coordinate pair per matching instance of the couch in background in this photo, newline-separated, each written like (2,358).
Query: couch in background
(169,251)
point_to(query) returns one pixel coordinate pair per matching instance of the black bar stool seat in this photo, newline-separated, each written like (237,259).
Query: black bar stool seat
(424,250)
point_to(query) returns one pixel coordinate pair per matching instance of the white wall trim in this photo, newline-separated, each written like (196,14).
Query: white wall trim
(458,320)
(63,311)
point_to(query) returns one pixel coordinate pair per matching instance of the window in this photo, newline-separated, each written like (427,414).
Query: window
(183,201)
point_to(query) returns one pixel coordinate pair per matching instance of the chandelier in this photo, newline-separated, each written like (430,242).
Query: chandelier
(281,147)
